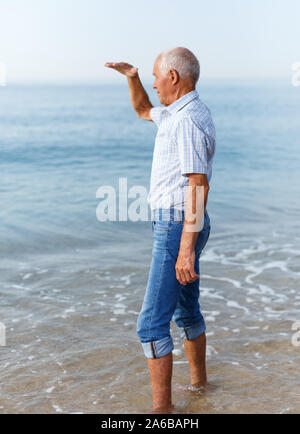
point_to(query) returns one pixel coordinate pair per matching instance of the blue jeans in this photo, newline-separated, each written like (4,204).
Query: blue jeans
(165,297)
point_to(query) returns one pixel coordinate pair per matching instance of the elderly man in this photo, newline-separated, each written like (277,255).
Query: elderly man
(181,171)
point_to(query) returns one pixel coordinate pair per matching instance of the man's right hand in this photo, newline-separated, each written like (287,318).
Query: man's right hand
(138,96)
(123,68)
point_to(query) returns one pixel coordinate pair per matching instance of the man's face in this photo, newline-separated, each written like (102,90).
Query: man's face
(162,84)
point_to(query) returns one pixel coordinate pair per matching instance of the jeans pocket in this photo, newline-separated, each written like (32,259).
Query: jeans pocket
(161,225)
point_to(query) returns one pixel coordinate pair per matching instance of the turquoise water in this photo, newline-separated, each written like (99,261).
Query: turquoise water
(69,283)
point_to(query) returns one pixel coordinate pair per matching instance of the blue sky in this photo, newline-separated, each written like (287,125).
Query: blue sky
(70,40)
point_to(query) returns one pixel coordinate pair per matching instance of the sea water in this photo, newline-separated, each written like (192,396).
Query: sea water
(71,286)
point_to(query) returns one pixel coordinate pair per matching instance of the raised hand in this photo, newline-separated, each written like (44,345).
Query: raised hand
(123,68)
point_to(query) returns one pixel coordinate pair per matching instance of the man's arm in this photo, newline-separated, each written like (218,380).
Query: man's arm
(194,212)
(138,96)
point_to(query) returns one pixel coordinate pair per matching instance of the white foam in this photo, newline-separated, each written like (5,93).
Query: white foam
(50,390)
(20,287)
(266,289)
(259,269)
(69,310)
(42,271)
(215,312)
(210,293)
(235,283)
(269,309)
(120,309)
(119,312)
(236,305)
(265,299)
(27,276)
(177,352)
(283,411)
(101,278)
(127,278)
(120,297)
(133,312)
(211,350)
(57,408)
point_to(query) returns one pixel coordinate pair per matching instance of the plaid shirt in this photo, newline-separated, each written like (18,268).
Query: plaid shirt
(185,143)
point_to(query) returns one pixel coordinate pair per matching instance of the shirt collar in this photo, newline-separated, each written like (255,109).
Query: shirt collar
(181,102)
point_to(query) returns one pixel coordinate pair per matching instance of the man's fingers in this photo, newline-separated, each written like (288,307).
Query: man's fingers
(118,65)
(180,277)
(189,276)
(186,276)
(194,277)
(123,68)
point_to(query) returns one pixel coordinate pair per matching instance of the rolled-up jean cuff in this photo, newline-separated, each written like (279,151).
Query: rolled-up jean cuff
(193,331)
(157,349)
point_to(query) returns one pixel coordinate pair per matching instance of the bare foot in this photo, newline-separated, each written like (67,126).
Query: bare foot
(193,388)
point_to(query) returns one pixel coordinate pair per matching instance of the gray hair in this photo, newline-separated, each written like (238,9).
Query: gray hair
(183,61)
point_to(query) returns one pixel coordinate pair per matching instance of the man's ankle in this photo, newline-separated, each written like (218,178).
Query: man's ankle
(197,384)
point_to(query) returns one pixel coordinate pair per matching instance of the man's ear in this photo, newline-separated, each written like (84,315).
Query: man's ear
(174,76)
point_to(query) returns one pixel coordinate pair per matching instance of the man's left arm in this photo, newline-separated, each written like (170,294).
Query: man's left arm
(196,201)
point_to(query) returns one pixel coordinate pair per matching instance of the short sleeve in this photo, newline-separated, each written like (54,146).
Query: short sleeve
(191,147)
(156,114)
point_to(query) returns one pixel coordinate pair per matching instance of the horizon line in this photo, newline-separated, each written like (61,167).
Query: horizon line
(70,82)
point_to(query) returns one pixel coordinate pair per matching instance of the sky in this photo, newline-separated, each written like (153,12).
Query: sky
(70,40)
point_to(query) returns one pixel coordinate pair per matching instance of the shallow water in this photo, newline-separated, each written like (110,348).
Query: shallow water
(72,287)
